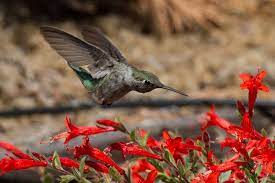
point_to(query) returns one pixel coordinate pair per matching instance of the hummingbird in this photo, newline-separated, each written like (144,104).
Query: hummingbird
(100,66)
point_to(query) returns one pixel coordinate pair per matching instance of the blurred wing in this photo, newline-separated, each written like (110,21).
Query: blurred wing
(95,37)
(78,53)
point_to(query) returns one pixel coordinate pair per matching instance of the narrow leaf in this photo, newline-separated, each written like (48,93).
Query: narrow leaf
(56,161)
(82,165)
(169,157)
(115,174)
(66,178)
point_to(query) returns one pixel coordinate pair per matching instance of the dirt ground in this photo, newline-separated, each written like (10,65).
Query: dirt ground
(203,64)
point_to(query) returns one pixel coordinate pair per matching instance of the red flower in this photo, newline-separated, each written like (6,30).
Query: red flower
(177,146)
(237,175)
(236,146)
(131,149)
(267,159)
(110,123)
(97,154)
(228,165)
(212,176)
(8,164)
(151,177)
(140,167)
(75,131)
(253,84)
(241,107)
(14,150)
(245,131)
(24,160)
(209,177)
(67,162)
(151,142)
(38,156)
(246,123)
(98,166)
(212,119)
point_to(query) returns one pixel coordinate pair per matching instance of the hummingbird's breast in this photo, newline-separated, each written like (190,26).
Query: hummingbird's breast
(113,86)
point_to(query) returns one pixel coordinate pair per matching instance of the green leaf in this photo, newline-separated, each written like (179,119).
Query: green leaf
(56,161)
(156,164)
(133,135)
(67,178)
(115,174)
(272,177)
(169,157)
(188,164)
(167,179)
(118,119)
(143,140)
(76,173)
(181,168)
(258,170)
(251,177)
(82,165)
(263,132)
(224,176)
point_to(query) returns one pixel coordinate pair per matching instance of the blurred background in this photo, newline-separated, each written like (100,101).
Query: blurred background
(198,46)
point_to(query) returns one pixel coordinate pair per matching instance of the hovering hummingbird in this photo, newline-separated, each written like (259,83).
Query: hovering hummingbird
(100,66)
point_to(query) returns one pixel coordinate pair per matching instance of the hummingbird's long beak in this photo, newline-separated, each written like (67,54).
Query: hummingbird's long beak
(174,90)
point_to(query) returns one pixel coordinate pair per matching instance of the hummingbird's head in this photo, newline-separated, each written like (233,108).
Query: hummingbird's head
(146,81)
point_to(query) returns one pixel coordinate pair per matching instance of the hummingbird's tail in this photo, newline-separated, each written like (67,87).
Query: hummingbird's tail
(86,79)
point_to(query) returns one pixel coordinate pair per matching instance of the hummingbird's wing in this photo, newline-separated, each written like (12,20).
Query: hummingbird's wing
(95,37)
(79,53)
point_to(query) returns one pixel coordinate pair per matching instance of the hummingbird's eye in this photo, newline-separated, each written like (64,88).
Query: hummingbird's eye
(146,82)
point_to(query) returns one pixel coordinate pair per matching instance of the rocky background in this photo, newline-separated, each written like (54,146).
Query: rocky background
(198,46)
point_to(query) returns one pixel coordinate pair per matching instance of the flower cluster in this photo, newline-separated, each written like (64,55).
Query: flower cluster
(172,159)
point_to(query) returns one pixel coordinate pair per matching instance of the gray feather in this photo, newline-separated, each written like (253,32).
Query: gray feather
(79,53)
(95,37)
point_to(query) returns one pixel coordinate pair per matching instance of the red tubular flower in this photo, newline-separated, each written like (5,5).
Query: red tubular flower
(110,123)
(136,178)
(142,166)
(210,177)
(246,123)
(177,146)
(228,165)
(212,119)
(240,107)
(75,131)
(262,146)
(14,150)
(216,170)
(132,149)
(253,84)
(151,142)
(236,146)
(98,166)
(69,163)
(38,156)
(267,159)
(151,177)
(97,154)
(8,164)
